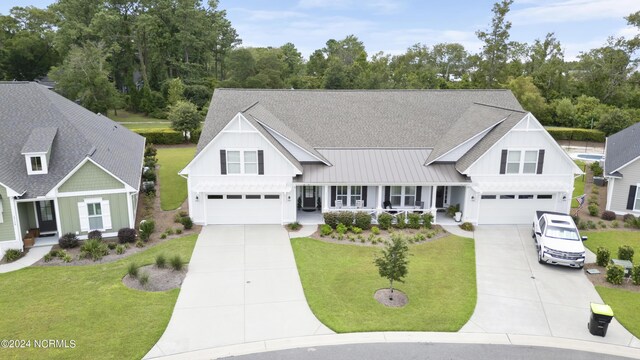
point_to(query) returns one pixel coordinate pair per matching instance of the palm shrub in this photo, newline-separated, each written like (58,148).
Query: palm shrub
(94,249)
(147,227)
(615,274)
(68,241)
(625,252)
(384,221)
(603,255)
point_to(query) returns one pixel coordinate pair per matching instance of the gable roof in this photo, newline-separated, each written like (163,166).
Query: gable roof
(623,147)
(355,118)
(25,106)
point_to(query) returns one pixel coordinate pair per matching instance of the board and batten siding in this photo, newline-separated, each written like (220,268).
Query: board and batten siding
(70,218)
(27,214)
(620,196)
(7,231)
(90,178)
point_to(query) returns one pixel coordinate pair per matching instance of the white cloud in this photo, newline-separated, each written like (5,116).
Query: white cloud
(397,41)
(336,4)
(268,15)
(572,11)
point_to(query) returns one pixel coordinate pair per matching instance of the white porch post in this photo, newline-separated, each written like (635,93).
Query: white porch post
(325,198)
(434,191)
(466,199)
(379,202)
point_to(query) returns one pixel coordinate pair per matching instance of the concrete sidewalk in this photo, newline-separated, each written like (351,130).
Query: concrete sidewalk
(34,254)
(242,286)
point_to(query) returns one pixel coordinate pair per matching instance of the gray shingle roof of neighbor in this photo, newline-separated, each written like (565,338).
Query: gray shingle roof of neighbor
(40,140)
(25,106)
(622,148)
(379,166)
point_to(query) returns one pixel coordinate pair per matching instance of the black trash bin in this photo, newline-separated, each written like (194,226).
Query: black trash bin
(601,316)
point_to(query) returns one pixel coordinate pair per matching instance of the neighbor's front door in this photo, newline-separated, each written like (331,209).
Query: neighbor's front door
(46,216)
(309,197)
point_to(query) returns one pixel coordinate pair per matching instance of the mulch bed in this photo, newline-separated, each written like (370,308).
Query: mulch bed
(159,279)
(383,296)
(436,232)
(600,279)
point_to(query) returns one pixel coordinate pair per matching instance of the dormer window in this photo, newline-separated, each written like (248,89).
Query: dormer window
(37,150)
(36,163)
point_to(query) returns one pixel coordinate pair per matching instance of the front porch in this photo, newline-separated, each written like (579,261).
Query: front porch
(314,200)
(37,223)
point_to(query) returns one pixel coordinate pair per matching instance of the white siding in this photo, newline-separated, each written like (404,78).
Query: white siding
(620,195)
(297,152)
(457,153)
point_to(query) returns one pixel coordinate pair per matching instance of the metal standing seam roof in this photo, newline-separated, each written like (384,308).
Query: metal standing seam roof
(379,166)
(40,140)
(622,148)
(25,106)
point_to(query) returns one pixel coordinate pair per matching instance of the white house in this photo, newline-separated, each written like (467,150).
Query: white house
(278,156)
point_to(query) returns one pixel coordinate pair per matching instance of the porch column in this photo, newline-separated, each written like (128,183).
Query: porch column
(464,204)
(325,198)
(434,211)
(379,208)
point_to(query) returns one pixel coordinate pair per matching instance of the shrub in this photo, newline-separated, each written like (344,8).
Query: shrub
(591,224)
(294,226)
(467,226)
(95,234)
(163,236)
(427,220)
(331,219)
(356,230)
(362,220)
(187,223)
(615,224)
(593,210)
(176,263)
(12,255)
(150,162)
(576,134)
(375,230)
(602,224)
(126,235)
(112,246)
(635,275)
(169,231)
(352,238)
(593,200)
(132,269)
(139,244)
(413,221)
(68,241)
(615,274)
(147,227)
(120,249)
(632,222)
(144,279)
(345,217)
(66,258)
(608,215)
(150,151)
(419,237)
(453,209)
(603,255)
(401,222)
(596,168)
(384,221)
(161,261)
(149,175)
(325,230)
(628,217)
(161,136)
(177,218)
(47,257)
(594,190)
(93,249)
(625,252)
(341,229)
(582,225)
(178,231)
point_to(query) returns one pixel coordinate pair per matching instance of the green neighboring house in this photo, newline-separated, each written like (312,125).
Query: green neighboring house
(63,169)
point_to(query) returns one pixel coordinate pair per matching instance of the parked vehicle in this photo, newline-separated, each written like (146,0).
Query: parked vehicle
(558,240)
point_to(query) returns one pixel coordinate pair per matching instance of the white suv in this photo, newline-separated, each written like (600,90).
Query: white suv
(558,240)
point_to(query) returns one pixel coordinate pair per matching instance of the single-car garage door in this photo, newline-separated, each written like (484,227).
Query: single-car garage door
(513,208)
(244,209)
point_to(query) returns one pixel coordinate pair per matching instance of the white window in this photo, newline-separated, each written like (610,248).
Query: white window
(522,161)
(342,194)
(46,211)
(242,162)
(95,214)
(349,194)
(637,204)
(403,196)
(356,194)
(36,163)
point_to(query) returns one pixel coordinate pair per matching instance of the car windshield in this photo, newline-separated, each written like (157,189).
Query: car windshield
(562,233)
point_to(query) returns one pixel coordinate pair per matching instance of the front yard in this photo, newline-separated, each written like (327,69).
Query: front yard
(87,304)
(339,282)
(173,187)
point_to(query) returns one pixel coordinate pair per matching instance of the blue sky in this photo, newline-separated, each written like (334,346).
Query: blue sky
(393,26)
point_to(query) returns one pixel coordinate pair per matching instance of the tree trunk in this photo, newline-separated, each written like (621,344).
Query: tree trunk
(391,288)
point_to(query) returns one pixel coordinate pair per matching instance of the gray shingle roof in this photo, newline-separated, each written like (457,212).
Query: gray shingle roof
(622,148)
(40,140)
(356,118)
(379,166)
(80,133)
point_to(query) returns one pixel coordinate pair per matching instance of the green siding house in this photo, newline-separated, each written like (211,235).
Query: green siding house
(63,169)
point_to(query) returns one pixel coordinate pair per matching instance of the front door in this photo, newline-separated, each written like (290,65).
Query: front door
(309,197)
(440,196)
(46,216)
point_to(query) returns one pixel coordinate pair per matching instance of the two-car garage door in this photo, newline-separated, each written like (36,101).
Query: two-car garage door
(243,209)
(513,208)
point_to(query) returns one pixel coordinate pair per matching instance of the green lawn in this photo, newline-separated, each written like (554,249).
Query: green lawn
(578,185)
(625,305)
(88,304)
(173,187)
(146,126)
(612,240)
(339,282)
(125,116)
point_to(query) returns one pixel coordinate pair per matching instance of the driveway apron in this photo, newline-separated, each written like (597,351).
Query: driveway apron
(517,295)
(242,286)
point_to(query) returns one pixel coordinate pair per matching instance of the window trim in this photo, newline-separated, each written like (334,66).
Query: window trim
(91,204)
(350,196)
(403,195)
(43,163)
(522,162)
(242,163)
(636,203)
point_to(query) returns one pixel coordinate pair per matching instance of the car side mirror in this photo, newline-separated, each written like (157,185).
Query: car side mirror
(584,238)
(538,233)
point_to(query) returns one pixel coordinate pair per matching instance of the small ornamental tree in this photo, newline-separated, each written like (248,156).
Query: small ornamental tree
(392,264)
(184,117)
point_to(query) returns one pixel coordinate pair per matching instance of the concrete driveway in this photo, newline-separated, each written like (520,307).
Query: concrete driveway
(242,286)
(517,295)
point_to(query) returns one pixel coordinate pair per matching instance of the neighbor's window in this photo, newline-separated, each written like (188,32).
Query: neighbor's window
(95,216)
(36,163)
(233,162)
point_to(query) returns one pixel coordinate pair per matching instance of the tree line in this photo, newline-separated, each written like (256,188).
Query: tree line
(151,55)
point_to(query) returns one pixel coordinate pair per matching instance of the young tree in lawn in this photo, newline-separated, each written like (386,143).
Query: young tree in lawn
(185,117)
(392,263)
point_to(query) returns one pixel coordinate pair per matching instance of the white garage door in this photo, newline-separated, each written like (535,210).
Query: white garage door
(244,209)
(513,209)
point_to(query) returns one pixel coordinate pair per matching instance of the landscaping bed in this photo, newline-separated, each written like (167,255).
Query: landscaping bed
(340,281)
(369,238)
(159,279)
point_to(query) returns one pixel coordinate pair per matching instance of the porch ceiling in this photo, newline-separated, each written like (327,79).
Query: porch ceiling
(380,166)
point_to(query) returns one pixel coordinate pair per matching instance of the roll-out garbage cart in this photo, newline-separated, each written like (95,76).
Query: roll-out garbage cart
(601,316)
